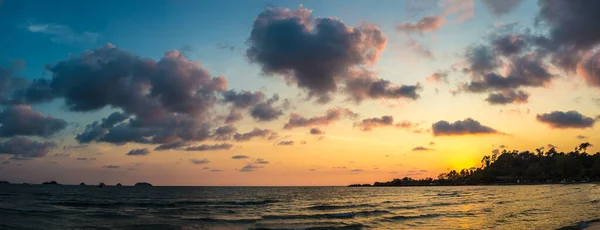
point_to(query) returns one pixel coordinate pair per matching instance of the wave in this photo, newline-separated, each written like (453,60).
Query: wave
(158,204)
(217,220)
(335,207)
(392,218)
(345,227)
(342,215)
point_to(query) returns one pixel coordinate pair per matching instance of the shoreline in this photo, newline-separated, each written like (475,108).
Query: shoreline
(499,184)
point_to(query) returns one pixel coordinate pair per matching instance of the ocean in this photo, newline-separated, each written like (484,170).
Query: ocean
(463,207)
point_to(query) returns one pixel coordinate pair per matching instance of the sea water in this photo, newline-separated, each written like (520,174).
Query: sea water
(465,207)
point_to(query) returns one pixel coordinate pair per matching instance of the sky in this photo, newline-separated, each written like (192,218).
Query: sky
(261,93)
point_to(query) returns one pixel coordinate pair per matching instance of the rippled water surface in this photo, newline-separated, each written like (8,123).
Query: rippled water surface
(477,207)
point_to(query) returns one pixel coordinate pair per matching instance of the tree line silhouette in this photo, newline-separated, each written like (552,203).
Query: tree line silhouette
(516,167)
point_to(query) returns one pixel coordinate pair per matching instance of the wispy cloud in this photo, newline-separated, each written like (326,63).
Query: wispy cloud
(63,33)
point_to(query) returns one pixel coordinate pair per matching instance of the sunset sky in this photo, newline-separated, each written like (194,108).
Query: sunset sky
(181,92)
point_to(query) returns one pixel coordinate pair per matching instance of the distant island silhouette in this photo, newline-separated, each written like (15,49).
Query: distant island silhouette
(517,167)
(51,183)
(143,184)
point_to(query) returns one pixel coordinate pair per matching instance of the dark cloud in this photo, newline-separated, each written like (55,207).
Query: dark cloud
(199,162)
(465,127)
(265,111)
(332,115)
(243,99)
(9,83)
(205,147)
(256,132)
(240,157)
(421,148)
(581,137)
(62,154)
(224,132)
(431,143)
(315,54)
(509,44)
(261,161)
(285,143)
(316,131)
(169,99)
(23,147)
(501,7)
(250,168)
(424,25)
(172,145)
(563,120)
(363,85)
(21,120)
(528,71)
(111,166)
(138,152)
(481,60)
(85,159)
(508,97)
(371,123)
(356,170)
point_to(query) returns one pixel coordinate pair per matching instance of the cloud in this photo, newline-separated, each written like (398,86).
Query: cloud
(364,85)
(356,170)
(424,25)
(172,145)
(509,44)
(462,10)
(431,143)
(9,82)
(316,131)
(243,99)
(250,168)
(256,132)
(290,143)
(168,99)
(240,157)
(332,115)
(581,137)
(265,111)
(419,50)
(111,166)
(224,133)
(292,44)
(465,127)
(205,147)
(563,120)
(261,161)
(138,152)
(496,151)
(508,97)
(199,162)
(551,146)
(216,170)
(371,123)
(421,148)
(23,147)
(63,33)
(499,8)
(62,154)
(438,76)
(21,120)
(85,159)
